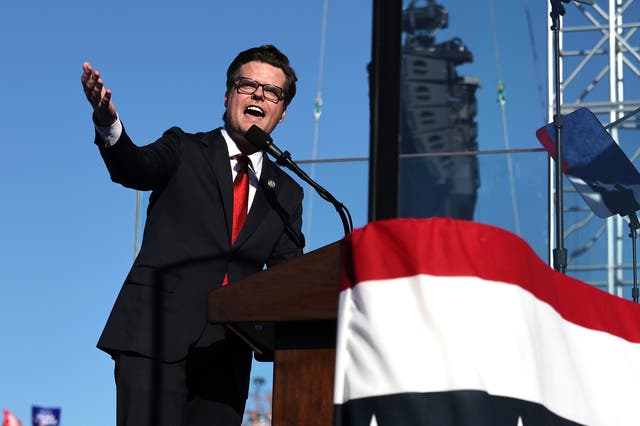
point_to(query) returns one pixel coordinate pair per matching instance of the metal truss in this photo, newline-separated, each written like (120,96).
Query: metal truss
(598,52)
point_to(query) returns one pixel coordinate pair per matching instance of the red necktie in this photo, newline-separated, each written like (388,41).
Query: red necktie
(240,196)
(240,201)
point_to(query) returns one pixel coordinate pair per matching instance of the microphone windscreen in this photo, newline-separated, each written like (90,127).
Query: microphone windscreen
(258,137)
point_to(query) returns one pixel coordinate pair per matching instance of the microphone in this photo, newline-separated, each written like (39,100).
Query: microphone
(262,140)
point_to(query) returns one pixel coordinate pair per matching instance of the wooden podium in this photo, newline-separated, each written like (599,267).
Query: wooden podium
(288,313)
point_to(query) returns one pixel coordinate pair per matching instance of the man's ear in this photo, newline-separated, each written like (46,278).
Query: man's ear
(284,113)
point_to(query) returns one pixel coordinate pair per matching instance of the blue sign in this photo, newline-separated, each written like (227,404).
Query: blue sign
(42,416)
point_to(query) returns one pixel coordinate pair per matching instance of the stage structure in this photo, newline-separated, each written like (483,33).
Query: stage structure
(598,49)
(438,108)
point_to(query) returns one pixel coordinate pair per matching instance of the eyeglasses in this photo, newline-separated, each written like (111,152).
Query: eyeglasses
(248,86)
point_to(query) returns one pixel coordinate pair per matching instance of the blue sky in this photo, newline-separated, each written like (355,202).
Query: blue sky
(67,231)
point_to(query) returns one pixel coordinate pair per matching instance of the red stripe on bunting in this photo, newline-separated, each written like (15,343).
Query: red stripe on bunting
(446,247)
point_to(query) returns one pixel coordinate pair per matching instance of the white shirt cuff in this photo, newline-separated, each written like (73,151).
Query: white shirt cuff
(110,134)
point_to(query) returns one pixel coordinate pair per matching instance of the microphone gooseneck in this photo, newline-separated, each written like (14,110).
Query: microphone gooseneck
(262,140)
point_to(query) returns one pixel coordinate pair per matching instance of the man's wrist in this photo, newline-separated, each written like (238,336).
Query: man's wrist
(111,133)
(102,121)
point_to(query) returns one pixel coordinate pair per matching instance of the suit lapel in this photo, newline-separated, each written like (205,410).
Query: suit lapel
(218,159)
(268,186)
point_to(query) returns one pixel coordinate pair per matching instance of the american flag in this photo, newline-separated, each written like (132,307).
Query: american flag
(453,323)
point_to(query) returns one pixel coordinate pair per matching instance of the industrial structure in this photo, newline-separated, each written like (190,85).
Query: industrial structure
(598,49)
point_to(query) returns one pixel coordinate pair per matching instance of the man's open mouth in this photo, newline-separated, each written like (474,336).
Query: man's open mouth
(255,111)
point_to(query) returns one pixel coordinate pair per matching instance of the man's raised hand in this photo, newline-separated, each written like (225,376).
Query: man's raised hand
(104,111)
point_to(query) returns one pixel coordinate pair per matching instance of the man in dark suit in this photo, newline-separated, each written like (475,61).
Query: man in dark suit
(171,367)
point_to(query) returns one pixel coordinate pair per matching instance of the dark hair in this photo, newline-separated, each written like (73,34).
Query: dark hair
(268,54)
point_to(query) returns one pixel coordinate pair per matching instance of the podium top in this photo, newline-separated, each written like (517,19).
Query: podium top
(303,289)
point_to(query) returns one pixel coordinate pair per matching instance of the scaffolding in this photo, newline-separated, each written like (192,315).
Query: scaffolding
(598,49)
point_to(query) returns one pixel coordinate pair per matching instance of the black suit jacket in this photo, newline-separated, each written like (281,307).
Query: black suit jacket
(161,310)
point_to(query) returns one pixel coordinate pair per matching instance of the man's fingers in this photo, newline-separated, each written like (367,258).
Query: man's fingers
(98,96)
(94,86)
(96,90)
(106,98)
(86,71)
(88,76)
(93,90)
